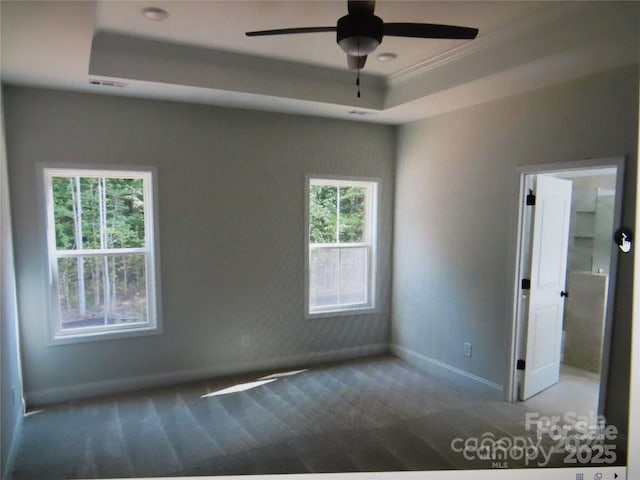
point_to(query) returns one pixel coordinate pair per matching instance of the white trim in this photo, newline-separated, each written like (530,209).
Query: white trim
(150,250)
(338,181)
(372,186)
(339,245)
(87,335)
(97,172)
(342,311)
(422,361)
(107,252)
(485,41)
(106,387)
(521,172)
(13,448)
(633,423)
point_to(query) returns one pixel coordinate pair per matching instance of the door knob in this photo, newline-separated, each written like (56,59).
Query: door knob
(564,294)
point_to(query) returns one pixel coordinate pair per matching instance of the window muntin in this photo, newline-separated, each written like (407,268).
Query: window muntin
(341,245)
(101,252)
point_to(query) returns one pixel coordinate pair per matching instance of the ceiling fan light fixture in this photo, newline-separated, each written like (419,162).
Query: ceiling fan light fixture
(358,46)
(359,35)
(155,13)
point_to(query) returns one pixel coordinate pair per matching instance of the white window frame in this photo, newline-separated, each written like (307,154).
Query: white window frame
(153,325)
(371,186)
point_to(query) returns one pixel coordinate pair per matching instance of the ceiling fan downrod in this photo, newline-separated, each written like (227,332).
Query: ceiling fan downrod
(358,73)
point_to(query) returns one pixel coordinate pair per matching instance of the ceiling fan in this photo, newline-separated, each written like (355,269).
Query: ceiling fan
(360,31)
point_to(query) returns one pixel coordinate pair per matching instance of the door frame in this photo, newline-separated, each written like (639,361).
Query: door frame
(522,235)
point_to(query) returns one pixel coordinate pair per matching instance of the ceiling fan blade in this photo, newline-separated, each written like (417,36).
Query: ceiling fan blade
(429,30)
(361,7)
(287,31)
(355,62)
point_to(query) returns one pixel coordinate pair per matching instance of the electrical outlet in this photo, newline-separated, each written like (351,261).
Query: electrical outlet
(245,340)
(467,349)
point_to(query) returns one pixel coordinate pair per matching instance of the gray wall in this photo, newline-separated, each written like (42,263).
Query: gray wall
(10,376)
(455,217)
(231,199)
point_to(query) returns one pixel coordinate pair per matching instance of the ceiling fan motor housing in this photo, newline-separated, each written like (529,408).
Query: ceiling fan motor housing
(359,35)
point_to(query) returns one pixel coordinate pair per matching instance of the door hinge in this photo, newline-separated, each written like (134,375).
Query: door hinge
(525,284)
(520,364)
(531,199)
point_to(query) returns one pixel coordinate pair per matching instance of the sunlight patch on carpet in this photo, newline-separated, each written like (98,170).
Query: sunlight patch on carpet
(241,387)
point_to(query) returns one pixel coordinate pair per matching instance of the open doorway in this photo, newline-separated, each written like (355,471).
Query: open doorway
(560,347)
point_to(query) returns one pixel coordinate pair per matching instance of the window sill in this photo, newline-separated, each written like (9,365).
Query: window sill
(341,312)
(83,337)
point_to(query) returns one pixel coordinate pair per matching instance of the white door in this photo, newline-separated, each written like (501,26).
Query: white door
(548,277)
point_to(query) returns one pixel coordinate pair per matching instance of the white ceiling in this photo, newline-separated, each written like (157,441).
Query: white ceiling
(200,53)
(221,25)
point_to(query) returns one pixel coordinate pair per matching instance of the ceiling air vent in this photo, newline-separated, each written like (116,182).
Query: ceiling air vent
(107,83)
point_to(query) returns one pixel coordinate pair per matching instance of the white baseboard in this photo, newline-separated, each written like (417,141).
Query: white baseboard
(431,364)
(13,448)
(106,387)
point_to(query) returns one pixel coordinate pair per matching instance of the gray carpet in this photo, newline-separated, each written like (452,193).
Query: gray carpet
(379,414)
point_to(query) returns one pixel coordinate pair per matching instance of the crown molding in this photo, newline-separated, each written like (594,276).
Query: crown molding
(490,40)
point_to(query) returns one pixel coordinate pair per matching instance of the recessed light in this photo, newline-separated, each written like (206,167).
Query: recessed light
(386,57)
(154,13)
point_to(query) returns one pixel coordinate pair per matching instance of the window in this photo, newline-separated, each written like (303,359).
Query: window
(342,225)
(102,263)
